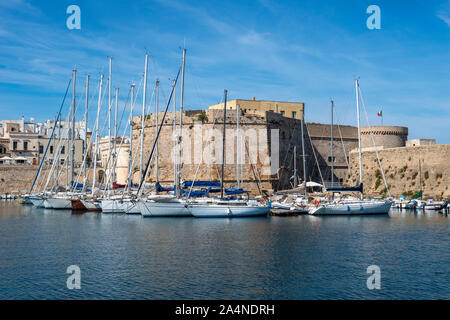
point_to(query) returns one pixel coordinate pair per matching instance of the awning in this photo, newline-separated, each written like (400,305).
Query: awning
(20,159)
(6,158)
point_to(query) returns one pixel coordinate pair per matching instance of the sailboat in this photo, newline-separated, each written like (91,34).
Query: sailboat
(353,207)
(224,208)
(64,200)
(166,205)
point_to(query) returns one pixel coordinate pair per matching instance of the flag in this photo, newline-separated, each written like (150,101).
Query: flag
(380,113)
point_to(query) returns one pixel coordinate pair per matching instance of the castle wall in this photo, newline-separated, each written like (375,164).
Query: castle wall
(19,178)
(261,130)
(403,171)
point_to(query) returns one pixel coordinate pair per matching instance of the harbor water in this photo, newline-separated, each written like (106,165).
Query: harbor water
(303,257)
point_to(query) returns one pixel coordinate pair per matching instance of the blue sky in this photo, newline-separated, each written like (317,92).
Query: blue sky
(307,51)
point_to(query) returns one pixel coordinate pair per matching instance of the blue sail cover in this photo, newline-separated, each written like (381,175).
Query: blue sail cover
(232,191)
(160,188)
(78,186)
(187,184)
(349,189)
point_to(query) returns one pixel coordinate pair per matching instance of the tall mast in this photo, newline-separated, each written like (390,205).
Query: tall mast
(359,134)
(144,99)
(72,157)
(175,137)
(331,152)
(238,160)
(109,110)
(115,135)
(86,112)
(156,128)
(225,93)
(96,132)
(303,149)
(181,124)
(130,159)
(295,166)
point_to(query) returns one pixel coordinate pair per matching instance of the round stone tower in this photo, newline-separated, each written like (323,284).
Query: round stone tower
(384,136)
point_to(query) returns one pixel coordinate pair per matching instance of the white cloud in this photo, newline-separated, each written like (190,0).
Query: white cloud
(444,18)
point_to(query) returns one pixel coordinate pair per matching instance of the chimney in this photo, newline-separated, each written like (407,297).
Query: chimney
(253,98)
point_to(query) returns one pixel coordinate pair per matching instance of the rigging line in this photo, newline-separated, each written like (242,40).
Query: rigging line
(120,147)
(373,141)
(343,147)
(57,149)
(287,153)
(315,156)
(157,136)
(84,160)
(53,131)
(137,150)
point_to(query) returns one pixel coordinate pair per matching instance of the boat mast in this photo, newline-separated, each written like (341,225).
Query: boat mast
(72,157)
(359,135)
(295,166)
(237,147)
(86,120)
(109,109)
(150,157)
(114,177)
(175,138)
(303,150)
(181,125)
(332,157)
(225,93)
(51,140)
(96,132)
(130,159)
(144,99)
(156,130)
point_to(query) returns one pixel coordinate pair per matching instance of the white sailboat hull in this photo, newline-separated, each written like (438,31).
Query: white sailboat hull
(58,203)
(163,209)
(37,202)
(91,205)
(131,207)
(226,211)
(356,208)
(112,206)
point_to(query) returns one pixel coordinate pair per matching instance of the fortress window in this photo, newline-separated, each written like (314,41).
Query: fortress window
(294,114)
(25,145)
(14,145)
(63,150)
(332,159)
(51,149)
(282,113)
(41,149)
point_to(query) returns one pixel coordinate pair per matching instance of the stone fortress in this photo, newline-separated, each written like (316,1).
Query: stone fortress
(265,116)
(409,165)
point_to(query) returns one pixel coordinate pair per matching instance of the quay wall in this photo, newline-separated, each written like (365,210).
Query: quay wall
(15,179)
(405,168)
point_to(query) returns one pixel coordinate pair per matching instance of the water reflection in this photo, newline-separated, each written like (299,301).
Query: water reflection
(304,257)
